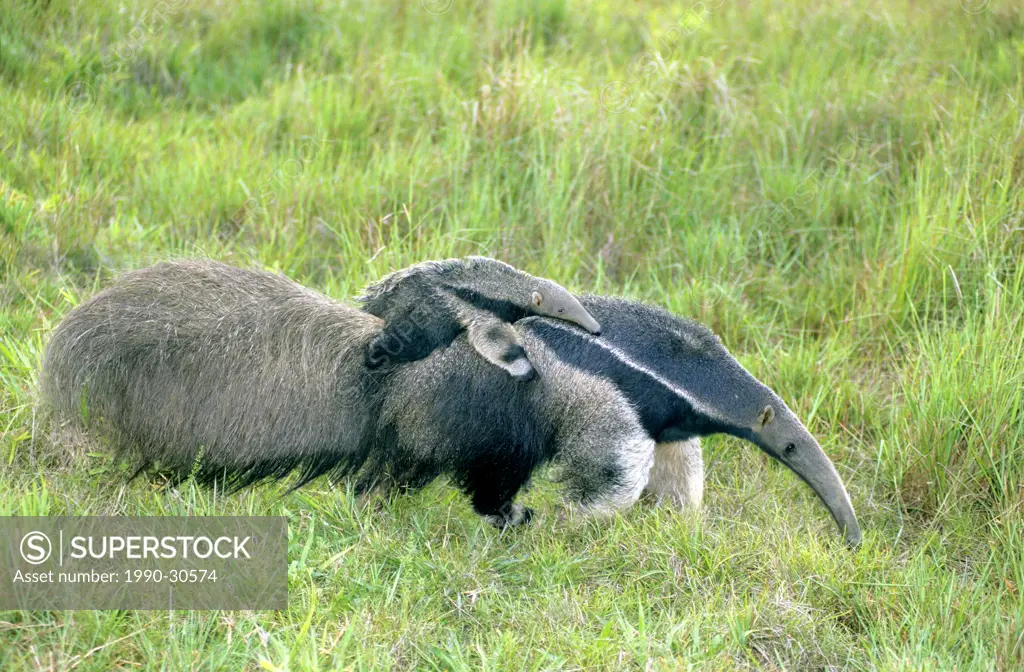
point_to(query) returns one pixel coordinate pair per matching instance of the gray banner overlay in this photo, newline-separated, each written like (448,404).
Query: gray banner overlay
(172,562)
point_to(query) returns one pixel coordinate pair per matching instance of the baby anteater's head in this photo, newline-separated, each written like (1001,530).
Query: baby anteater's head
(552,300)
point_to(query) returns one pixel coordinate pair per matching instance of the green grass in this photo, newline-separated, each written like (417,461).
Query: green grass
(834,187)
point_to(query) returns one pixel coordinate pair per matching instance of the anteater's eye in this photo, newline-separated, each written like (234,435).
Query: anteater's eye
(790,448)
(561,310)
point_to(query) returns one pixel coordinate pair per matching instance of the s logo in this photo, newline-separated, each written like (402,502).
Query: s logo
(36,548)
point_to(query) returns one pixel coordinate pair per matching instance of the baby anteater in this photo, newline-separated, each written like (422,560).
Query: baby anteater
(427,305)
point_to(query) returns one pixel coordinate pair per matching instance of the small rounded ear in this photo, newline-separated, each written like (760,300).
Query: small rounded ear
(767,415)
(537,299)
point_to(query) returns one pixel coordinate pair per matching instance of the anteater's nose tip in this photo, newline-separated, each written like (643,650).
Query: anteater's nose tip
(853,537)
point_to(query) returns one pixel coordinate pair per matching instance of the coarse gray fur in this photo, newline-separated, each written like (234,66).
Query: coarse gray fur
(426,305)
(246,367)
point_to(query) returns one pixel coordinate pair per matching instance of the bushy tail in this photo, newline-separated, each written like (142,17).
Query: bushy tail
(229,374)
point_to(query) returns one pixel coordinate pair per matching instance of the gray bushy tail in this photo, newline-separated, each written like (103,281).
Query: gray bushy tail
(245,371)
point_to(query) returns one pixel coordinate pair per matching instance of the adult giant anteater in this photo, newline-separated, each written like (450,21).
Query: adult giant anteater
(249,376)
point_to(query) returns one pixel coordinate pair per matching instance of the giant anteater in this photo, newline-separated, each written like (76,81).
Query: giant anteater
(241,375)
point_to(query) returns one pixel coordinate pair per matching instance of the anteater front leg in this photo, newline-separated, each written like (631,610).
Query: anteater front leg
(607,476)
(605,453)
(492,485)
(678,474)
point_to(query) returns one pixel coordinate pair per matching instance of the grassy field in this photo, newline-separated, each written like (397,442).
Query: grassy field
(834,187)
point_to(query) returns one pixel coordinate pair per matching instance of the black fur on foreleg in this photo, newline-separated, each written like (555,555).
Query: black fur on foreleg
(492,488)
(509,515)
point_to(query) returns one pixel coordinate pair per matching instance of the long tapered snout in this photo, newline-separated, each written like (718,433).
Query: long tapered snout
(589,323)
(817,471)
(787,440)
(552,300)
(571,310)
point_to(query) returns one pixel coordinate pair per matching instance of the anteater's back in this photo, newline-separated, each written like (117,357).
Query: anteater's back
(249,367)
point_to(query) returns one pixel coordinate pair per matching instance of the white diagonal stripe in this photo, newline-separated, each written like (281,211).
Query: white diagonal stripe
(639,368)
